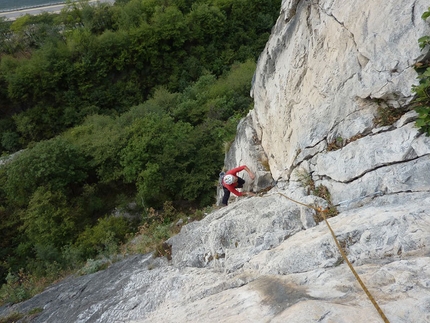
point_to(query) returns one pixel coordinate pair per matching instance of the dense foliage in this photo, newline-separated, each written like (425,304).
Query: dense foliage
(103,59)
(104,105)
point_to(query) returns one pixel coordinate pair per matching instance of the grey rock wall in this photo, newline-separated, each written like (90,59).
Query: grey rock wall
(327,68)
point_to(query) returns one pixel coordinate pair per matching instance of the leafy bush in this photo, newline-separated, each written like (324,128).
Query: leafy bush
(10,141)
(11,318)
(157,156)
(422,90)
(94,265)
(55,163)
(101,139)
(49,220)
(422,101)
(15,289)
(104,237)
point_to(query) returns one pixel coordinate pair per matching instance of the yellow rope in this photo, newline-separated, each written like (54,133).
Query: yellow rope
(319,210)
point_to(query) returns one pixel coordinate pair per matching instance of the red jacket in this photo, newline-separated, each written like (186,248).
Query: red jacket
(232,187)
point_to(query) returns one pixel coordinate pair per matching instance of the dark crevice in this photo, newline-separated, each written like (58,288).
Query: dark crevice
(291,12)
(343,120)
(341,85)
(343,26)
(364,134)
(405,192)
(313,146)
(371,170)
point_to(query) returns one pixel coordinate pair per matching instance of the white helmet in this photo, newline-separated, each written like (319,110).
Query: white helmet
(228,179)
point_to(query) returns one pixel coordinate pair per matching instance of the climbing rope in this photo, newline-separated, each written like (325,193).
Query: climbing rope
(322,212)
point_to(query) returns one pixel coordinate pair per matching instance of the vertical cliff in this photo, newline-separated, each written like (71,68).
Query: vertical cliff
(327,73)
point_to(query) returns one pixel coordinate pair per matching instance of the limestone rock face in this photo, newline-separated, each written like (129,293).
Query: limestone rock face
(328,70)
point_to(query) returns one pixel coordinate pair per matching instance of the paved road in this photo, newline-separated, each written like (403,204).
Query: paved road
(12,15)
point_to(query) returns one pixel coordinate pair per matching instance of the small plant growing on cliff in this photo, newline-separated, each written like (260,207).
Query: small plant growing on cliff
(387,115)
(16,288)
(13,317)
(422,102)
(422,90)
(331,211)
(306,181)
(265,164)
(336,144)
(425,40)
(94,265)
(340,142)
(321,191)
(19,317)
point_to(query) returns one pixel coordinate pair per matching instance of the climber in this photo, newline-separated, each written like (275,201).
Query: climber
(231,182)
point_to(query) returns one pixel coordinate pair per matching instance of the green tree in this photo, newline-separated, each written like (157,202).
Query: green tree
(156,158)
(49,220)
(55,163)
(207,24)
(100,18)
(10,237)
(204,163)
(31,32)
(9,138)
(101,139)
(33,82)
(105,236)
(5,36)
(133,13)
(192,107)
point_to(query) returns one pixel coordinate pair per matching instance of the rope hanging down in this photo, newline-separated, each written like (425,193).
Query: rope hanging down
(322,212)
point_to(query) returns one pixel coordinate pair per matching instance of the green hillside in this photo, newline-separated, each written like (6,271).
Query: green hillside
(107,106)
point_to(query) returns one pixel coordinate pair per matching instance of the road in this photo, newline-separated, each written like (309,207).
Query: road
(56,8)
